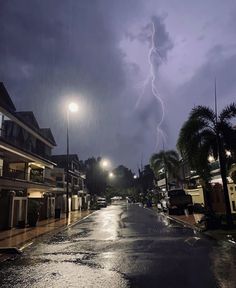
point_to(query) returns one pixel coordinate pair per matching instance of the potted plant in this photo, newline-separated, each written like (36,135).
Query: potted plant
(33,212)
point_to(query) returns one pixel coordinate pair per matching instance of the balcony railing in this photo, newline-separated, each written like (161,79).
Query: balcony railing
(37,178)
(22,175)
(14,174)
(23,145)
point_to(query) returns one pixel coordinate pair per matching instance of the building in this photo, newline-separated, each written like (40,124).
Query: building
(173,182)
(78,198)
(193,187)
(191,182)
(25,164)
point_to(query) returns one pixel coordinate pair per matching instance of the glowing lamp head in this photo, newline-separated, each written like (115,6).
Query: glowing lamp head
(135,176)
(211,159)
(104,163)
(228,153)
(111,175)
(73,107)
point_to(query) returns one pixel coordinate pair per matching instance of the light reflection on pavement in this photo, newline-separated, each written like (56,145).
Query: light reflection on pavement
(123,246)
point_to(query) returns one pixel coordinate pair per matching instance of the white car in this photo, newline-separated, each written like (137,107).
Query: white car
(101,202)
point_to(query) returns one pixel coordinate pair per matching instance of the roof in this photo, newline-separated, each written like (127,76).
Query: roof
(47,133)
(61,160)
(27,117)
(5,99)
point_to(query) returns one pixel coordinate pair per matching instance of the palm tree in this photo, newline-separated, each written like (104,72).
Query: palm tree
(205,133)
(167,160)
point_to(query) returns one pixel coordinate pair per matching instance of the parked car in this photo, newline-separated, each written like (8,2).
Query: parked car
(101,202)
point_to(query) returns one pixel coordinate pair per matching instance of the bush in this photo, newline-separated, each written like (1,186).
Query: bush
(198,208)
(33,212)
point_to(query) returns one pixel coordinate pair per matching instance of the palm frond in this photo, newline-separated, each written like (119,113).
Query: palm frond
(168,159)
(203,113)
(190,134)
(228,113)
(228,134)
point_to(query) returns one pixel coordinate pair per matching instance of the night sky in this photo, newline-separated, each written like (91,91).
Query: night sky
(98,53)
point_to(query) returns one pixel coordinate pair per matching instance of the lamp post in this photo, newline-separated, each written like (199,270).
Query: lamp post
(111,175)
(104,163)
(72,107)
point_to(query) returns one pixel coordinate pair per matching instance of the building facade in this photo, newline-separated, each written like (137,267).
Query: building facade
(191,183)
(193,187)
(25,164)
(78,198)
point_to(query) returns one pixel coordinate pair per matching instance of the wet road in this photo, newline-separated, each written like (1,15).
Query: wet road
(123,246)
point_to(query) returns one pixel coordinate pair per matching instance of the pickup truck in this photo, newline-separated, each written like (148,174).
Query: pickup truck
(178,201)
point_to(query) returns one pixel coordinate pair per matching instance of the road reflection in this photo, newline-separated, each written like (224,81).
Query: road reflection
(223,259)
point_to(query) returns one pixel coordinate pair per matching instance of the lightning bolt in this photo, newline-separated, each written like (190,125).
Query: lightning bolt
(153,52)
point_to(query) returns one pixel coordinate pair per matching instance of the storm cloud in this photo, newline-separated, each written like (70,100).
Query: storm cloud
(96,52)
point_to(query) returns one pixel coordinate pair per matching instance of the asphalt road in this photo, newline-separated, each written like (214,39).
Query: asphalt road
(123,246)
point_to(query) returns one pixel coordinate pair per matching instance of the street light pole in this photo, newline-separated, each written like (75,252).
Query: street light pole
(71,108)
(67,164)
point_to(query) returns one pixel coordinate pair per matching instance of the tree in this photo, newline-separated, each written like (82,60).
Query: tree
(166,160)
(123,177)
(146,178)
(204,134)
(122,183)
(96,177)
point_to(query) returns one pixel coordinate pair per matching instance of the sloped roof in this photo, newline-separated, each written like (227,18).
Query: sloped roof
(29,118)
(61,160)
(26,117)
(5,99)
(47,133)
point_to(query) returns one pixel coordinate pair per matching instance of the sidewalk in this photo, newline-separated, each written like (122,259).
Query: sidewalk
(192,221)
(189,220)
(21,237)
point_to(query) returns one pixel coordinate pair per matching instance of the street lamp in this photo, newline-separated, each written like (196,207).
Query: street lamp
(111,175)
(211,158)
(104,163)
(72,107)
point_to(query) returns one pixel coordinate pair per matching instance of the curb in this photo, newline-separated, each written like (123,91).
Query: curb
(193,227)
(183,223)
(9,251)
(199,230)
(72,224)
(57,230)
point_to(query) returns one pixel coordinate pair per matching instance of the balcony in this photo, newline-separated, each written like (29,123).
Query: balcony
(37,178)
(21,175)
(14,174)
